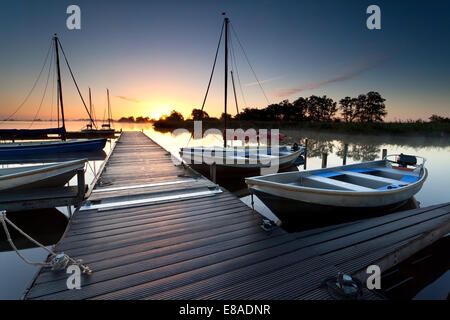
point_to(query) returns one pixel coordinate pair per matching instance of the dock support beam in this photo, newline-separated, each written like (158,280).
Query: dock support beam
(344,158)
(212,172)
(324,159)
(81,184)
(306,154)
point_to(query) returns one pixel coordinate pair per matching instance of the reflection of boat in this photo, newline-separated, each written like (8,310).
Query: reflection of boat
(42,176)
(44,225)
(50,147)
(345,189)
(239,161)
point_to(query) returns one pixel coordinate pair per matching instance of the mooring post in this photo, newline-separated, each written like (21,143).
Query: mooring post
(81,182)
(212,172)
(324,159)
(306,154)
(344,159)
(384,153)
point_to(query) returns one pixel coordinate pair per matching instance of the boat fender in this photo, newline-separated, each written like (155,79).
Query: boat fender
(268,225)
(343,287)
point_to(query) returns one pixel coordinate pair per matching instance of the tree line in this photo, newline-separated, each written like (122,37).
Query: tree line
(368,107)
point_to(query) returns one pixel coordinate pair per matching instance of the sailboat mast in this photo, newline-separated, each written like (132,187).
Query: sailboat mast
(90,107)
(63,137)
(226,82)
(109,109)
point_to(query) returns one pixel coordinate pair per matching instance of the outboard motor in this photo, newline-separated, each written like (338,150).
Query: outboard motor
(405,160)
(295,146)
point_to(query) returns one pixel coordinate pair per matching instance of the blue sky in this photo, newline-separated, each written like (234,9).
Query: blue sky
(158,54)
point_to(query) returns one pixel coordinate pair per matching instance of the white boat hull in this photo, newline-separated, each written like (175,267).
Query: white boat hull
(51,175)
(339,189)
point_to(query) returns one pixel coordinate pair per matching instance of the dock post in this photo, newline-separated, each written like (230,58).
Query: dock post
(81,182)
(306,154)
(344,159)
(384,153)
(324,159)
(212,172)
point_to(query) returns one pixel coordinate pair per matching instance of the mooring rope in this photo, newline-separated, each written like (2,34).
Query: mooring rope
(58,261)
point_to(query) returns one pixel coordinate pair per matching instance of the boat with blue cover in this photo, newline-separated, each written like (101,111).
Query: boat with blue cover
(8,150)
(355,188)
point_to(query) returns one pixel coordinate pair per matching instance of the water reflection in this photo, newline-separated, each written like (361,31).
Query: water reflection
(44,225)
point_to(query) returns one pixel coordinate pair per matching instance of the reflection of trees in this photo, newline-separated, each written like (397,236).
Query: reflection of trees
(316,147)
(360,152)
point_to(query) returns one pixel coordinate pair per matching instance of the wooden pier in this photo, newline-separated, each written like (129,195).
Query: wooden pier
(154,230)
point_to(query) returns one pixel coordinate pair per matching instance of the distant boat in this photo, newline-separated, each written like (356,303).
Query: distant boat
(239,161)
(355,188)
(41,176)
(91,129)
(13,149)
(8,150)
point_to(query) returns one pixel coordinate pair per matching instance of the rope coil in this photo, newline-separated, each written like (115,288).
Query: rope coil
(57,261)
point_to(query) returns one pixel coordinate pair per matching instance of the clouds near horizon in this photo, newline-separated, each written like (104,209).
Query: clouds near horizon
(344,76)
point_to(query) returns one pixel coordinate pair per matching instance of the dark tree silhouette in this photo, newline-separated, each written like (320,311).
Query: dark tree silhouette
(375,107)
(198,114)
(222,116)
(436,118)
(175,116)
(347,106)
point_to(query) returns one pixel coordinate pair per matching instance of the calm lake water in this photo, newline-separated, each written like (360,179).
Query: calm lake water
(17,275)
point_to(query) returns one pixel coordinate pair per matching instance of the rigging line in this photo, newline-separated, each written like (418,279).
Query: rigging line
(76,84)
(248,61)
(234,60)
(34,85)
(211,77)
(45,92)
(237,74)
(53,90)
(214,66)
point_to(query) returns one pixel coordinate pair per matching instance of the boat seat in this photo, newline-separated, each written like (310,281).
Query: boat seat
(374,178)
(340,184)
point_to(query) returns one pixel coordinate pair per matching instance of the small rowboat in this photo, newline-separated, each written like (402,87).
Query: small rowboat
(374,185)
(241,160)
(41,176)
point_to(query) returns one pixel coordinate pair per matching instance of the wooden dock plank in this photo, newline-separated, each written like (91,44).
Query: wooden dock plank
(212,247)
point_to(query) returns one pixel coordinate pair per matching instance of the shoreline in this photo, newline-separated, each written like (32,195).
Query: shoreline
(413,129)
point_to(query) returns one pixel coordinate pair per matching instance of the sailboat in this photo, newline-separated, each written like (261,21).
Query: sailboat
(30,148)
(91,129)
(238,160)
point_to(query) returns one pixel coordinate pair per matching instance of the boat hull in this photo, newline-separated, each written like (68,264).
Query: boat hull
(360,189)
(44,176)
(316,214)
(51,147)
(239,166)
